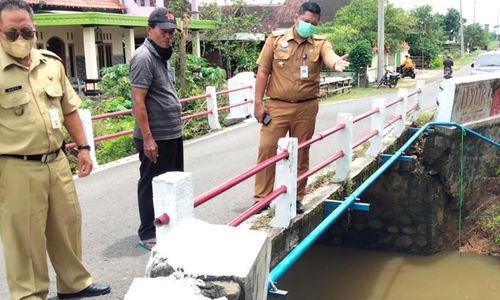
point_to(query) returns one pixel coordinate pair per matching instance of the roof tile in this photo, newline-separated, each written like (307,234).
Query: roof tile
(102,4)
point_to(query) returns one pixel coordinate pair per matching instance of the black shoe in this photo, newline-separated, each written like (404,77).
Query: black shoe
(95,289)
(300,208)
(262,209)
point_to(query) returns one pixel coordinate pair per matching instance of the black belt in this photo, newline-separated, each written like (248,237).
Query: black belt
(294,101)
(44,158)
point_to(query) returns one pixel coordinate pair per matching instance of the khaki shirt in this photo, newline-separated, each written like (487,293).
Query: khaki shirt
(284,56)
(26,95)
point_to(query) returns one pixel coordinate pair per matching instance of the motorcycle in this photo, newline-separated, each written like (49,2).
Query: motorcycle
(389,79)
(406,72)
(448,71)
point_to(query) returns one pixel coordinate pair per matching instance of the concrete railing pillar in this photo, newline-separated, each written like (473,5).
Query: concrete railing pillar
(86,118)
(286,174)
(343,165)
(418,109)
(377,123)
(172,194)
(401,109)
(240,112)
(213,118)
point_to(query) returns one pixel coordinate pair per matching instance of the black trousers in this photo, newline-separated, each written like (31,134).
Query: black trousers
(171,158)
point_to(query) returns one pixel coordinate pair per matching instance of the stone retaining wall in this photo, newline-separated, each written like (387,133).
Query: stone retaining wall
(414,206)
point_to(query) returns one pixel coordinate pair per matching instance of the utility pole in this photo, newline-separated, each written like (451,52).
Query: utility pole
(462,52)
(196,33)
(380,40)
(474,15)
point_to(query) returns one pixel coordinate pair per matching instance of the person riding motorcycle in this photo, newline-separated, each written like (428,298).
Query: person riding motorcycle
(407,64)
(447,67)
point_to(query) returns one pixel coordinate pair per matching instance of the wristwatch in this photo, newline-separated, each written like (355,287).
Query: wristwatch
(83,146)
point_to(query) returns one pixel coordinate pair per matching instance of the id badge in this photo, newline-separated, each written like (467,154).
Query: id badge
(304,72)
(54,118)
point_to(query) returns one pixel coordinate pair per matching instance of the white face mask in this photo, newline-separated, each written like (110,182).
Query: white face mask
(20,48)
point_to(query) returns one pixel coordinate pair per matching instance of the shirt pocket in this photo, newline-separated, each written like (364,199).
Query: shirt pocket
(15,110)
(54,95)
(281,60)
(314,62)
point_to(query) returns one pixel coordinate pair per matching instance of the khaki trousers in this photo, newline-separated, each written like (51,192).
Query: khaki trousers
(296,119)
(40,214)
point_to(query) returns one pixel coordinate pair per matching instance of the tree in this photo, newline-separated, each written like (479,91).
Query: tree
(360,57)
(451,24)
(358,21)
(235,36)
(475,36)
(427,36)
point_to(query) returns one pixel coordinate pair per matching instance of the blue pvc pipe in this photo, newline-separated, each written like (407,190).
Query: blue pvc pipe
(287,262)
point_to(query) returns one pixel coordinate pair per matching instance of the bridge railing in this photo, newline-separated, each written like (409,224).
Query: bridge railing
(297,251)
(212,113)
(286,164)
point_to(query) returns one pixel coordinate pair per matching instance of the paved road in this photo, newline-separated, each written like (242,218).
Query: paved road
(108,196)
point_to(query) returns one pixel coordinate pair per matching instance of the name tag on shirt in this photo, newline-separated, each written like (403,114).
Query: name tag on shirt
(304,72)
(54,118)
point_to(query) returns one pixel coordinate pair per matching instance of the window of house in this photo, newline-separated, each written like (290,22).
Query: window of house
(105,55)
(72,61)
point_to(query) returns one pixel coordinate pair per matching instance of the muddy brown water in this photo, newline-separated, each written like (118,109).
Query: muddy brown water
(333,273)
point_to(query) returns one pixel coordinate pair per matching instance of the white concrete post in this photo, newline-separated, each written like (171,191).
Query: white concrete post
(213,118)
(345,137)
(86,118)
(172,194)
(416,113)
(377,123)
(401,109)
(236,97)
(90,52)
(129,39)
(286,174)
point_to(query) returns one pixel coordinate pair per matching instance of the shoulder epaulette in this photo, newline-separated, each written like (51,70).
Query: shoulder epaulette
(279,32)
(319,37)
(49,53)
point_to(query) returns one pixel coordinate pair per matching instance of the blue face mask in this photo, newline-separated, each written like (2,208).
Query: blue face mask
(305,29)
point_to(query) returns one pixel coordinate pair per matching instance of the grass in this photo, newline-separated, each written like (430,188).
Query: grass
(371,91)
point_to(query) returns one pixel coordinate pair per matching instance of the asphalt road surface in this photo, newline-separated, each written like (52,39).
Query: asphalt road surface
(108,195)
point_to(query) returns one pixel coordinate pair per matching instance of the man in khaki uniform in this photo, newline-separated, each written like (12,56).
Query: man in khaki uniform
(289,73)
(39,210)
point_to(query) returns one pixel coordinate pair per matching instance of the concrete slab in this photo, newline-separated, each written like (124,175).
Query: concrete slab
(215,253)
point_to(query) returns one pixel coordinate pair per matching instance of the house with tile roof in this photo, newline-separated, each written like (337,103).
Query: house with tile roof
(91,34)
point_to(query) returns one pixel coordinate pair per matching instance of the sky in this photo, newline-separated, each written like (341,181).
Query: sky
(487,11)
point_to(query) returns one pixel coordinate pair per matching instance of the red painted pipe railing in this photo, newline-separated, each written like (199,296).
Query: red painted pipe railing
(393,102)
(111,114)
(392,121)
(232,90)
(282,189)
(246,102)
(252,210)
(364,139)
(413,108)
(365,115)
(189,117)
(320,136)
(238,179)
(202,96)
(321,165)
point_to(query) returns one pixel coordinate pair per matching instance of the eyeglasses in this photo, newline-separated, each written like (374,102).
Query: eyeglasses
(12,34)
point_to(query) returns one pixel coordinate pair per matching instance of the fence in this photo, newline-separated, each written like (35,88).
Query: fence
(241,105)
(286,166)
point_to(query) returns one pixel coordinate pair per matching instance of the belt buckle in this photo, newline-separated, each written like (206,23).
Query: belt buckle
(46,158)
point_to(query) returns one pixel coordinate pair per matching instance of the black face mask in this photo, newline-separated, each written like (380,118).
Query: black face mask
(165,53)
